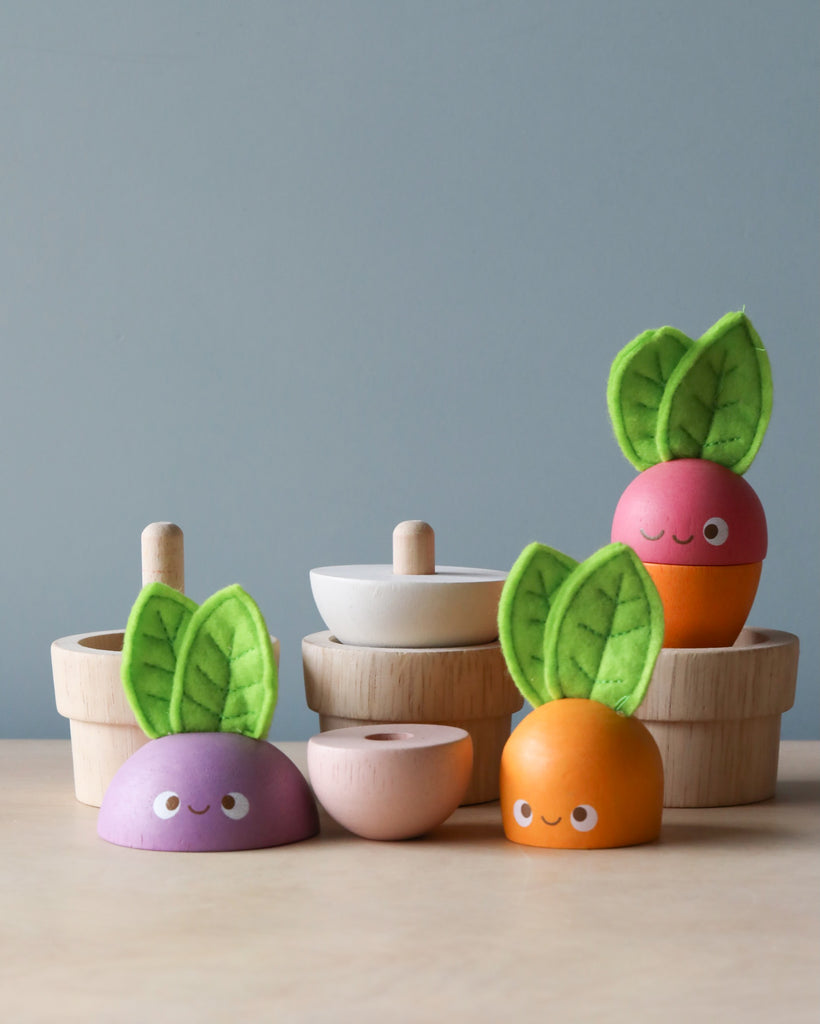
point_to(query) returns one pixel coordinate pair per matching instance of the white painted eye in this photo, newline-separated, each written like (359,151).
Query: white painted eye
(584,818)
(167,804)
(522,812)
(235,805)
(716,531)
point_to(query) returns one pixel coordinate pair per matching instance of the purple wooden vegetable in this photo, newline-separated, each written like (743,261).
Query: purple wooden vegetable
(200,791)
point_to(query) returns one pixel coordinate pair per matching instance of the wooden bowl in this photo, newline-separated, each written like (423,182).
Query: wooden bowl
(390,782)
(411,603)
(371,606)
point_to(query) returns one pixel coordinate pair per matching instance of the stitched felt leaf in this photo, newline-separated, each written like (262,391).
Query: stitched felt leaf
(226,679)
(153,639)
(718,400)
(605,631)
(637,381)
(523,608)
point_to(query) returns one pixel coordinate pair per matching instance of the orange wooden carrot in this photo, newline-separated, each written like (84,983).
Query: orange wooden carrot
(581,642)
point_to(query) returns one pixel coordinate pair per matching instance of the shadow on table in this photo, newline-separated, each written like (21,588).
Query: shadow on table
(722,834)
(798,791)
(467,832)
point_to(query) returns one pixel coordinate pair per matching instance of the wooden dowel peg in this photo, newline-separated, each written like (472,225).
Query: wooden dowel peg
(163,557)
(414,549)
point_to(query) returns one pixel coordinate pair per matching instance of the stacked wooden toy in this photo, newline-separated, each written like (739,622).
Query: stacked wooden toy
(413,642)
(87,685)
(690,415)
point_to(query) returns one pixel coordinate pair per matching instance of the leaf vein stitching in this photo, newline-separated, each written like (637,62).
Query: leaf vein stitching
(198,703)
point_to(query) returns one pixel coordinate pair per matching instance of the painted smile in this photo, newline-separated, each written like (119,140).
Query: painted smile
(657,537)
(191,809)
(549,822)
(677,540)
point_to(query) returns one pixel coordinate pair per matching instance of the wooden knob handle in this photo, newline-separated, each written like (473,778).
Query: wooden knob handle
(163,556)
(414,549)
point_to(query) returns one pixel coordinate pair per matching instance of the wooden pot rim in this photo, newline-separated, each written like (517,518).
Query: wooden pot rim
(392,684)
(753,678)
(87,684)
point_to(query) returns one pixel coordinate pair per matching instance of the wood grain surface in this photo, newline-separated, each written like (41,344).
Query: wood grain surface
(716,921)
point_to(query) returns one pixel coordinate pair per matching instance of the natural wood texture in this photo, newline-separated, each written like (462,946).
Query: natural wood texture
(87,686)
(393,781)
(715,714)
(414,548)
(717,921)
(88,691)
(468,687)
(163,555)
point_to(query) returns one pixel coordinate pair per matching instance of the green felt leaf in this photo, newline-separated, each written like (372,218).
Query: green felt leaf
(637,381)
(153,639)
(525,602)
(604,632)
(226,678)
(718,400)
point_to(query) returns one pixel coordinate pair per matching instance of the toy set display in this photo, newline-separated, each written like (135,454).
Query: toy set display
(647,690)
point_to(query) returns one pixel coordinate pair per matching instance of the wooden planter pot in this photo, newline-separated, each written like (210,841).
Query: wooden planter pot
(467,687)
(88,691)
(715,714)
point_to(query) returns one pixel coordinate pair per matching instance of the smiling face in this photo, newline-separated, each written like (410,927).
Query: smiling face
(207,791)
(691,512)
(577,775)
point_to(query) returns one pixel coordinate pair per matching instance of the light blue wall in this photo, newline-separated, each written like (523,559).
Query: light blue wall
(287,273)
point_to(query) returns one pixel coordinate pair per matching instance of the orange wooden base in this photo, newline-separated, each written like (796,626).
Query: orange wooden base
(704,605)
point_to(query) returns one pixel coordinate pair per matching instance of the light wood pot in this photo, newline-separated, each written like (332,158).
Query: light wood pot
(89,692)
(87,686)
(715,714)
(467,687)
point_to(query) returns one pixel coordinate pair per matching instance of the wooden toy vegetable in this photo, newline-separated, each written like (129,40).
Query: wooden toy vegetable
(413,641)
(580,642)
(691,416)
(202,682)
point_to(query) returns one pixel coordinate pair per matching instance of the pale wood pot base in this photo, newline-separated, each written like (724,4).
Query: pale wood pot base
(715,715)
(467,687)
(87,686)
(88,691)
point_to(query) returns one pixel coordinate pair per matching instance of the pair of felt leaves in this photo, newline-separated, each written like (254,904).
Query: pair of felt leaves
(591,630)
(198,668)
(670,397)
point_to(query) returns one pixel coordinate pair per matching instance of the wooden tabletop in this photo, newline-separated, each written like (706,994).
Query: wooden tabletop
(720,920)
